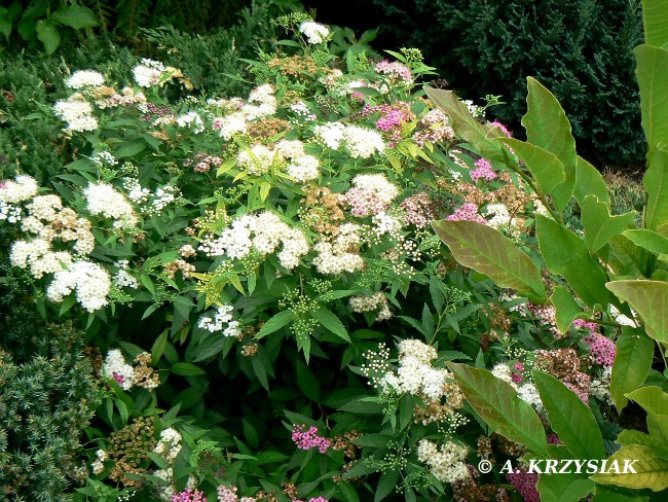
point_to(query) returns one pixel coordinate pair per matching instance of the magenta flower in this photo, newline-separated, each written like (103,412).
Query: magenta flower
(525,484)
(602,348)
(189,496)
(483,170)
(467,212)
(305,439)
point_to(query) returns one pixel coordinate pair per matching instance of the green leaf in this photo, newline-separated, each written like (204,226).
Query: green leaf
(589,181)
(307,382)
(652,75)
(498,405)
(570,418)
(654,401)
(656,185)
(279,320)
(187,369)
(545,167)
(655,22)
(567,255)
(633,360)
(5,23)
(47,33)
(330,321)
(650,240)
(566,308)
(486,250)
(651,471)
(600,227)
(386,484)
(130,148)
(650,300)
(564,487)
(548,127)
(75,16)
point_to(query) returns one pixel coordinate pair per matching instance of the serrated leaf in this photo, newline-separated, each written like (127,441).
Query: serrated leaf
(548,127)
(600,227)
(275,323)
(650,300)
(545,167)
(499,406)
(486,250)
(651,471)
(633,360)
(567,255)
(570,418)
(329,320)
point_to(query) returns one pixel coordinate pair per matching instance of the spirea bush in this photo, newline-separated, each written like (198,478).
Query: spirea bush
(271,315)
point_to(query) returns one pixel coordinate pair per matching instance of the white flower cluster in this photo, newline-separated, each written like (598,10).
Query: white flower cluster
(115,367)
(136,193)
(84,78)
(123,279)
(361,304)
(220,320)
(192,121)
(384,223)
(340,254)
(301,166)
(302,111)
(229,125)
(97,465)
(148,73)
(446,462)
(104,200)
(500,218)
(169,444)
(261,103)
(600,386)
(360,142)
(264,232)
(90,281)
(415,374)
(37,255)
(256,160)
(20,189)
(315,33)
(104,159)
(77,112)
(475,110)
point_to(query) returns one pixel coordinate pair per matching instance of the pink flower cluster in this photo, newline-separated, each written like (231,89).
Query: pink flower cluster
(226,494)
(518,369)
(203,162)
(364,202)
(420,210)
(395,69)
(525,484)
(483,170)
(313,499)
(305,439)
(602,348)
(584,397)
(503,128)
(189,496)
(467,212)
(582,324)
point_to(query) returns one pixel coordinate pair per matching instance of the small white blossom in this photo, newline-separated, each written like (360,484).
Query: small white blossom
(84,78)
(315,33)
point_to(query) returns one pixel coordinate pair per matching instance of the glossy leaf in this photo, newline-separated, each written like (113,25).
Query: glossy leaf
(47,33)
(650,300)
(565,306)
(656,185)
(588,181)
(570,418)
(548,127)
(600,227)
(567,255)
(651,471)
(655,402)
(650,240)
(564,487)
(655,22)
(545,167)
(486,250)
(633,360)
(499,406)
(652,75)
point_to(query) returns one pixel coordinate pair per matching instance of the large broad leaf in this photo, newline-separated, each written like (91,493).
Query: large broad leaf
(545,167)
(588,181)
(547,127)
(652,75)
(564,487)
(655,22)
(633,360)
(570,418)
(47,33)
(650,240)
(464,124)
(566,254)
(76,16)
(565,307)
(486,250)
(651,471)
(498,405)
(600,227)
(650,300)
(656,185)
(655,402)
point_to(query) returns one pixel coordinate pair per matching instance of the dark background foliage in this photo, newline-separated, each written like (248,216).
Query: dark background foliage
(579,49)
